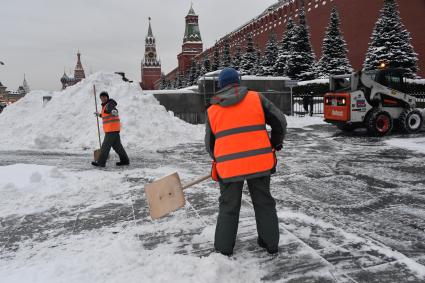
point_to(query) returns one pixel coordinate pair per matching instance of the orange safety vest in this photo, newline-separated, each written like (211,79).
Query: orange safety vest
(242,145)
(111,123)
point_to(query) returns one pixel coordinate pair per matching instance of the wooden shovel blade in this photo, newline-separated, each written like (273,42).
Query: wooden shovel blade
(164,196)
(96,154)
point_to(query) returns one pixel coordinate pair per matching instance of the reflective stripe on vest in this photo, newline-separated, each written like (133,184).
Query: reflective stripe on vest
(242,146)
(110,122)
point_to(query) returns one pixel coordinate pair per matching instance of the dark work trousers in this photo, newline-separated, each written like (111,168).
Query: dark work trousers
(112,140)
(228,216)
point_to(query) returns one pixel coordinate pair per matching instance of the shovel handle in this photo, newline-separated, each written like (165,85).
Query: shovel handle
(196,181)
(97,117)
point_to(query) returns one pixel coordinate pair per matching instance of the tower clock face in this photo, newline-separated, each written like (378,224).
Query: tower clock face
(151,55)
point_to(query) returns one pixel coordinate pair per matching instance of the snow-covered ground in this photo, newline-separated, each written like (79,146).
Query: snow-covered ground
(411,143)
(350,208)
(300,122)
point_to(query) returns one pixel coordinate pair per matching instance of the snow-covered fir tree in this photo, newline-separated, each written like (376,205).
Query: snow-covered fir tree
(176,82)
(301,62)
(206,66)
(270,55)
(226,58)
(169,85)
(390,42)
(192,76)
(334,60)
(216,59)
(163,83)
(249,59)
(258,68)
(180,81)
(198,71)
(237,57)
(285,49)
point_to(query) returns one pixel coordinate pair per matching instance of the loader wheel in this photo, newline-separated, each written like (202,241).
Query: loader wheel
(379,123)
(411,121)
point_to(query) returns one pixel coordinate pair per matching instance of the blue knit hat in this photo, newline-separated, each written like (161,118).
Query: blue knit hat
(228,76)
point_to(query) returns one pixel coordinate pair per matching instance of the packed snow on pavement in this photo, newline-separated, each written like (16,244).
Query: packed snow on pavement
(350,208)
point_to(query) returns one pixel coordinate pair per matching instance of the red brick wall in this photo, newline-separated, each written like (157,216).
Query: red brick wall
(358,18)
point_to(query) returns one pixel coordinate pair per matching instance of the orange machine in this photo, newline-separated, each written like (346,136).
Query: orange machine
(337,107)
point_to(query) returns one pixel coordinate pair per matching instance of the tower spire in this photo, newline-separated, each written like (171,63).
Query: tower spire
(192,32)
(191,10)
(79,71)
(150,33)
(25,85)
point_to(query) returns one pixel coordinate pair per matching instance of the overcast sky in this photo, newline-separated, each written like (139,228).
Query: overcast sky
(41,37)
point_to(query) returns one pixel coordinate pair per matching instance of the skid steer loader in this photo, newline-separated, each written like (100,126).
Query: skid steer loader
(373,100)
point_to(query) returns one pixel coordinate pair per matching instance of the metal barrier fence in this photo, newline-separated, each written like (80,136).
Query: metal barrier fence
(307,104)
(312,104)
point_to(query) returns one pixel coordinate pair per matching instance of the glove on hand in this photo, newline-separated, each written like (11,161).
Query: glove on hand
(114,112)
(96,114)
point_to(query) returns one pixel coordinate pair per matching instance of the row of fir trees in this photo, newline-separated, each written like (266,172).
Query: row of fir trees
(293,55)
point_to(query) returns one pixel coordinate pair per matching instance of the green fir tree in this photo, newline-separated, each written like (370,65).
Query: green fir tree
(301,59)
(334,60)
(390,42)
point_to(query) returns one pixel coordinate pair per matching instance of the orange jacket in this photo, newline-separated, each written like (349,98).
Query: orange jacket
(111,123)
(242,145)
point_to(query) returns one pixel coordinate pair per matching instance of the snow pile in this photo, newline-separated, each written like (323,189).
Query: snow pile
(101,256)
(26,187)
(22,176)
(67,121)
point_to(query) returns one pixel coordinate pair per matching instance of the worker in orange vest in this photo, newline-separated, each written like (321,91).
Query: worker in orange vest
(111,127)
(241,149)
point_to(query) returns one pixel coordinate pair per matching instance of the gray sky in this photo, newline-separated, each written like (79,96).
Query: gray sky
(41,37)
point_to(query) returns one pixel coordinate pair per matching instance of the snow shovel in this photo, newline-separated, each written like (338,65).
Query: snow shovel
(96,153)
(166,194)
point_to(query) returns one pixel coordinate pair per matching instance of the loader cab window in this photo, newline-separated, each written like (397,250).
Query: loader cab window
(393,80)
(342,84)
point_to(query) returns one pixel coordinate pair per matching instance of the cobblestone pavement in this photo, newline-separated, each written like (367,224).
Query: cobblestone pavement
(351,209)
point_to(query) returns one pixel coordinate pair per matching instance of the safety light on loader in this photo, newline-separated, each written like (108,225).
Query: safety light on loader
(382,65)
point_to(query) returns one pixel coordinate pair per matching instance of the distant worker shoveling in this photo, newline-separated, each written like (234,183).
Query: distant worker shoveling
(111,127)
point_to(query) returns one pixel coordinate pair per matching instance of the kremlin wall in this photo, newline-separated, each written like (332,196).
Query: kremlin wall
(358,18)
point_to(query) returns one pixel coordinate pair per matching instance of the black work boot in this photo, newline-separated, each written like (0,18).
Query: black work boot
(228,254)
(264,246)
(123,163)
(95,163)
